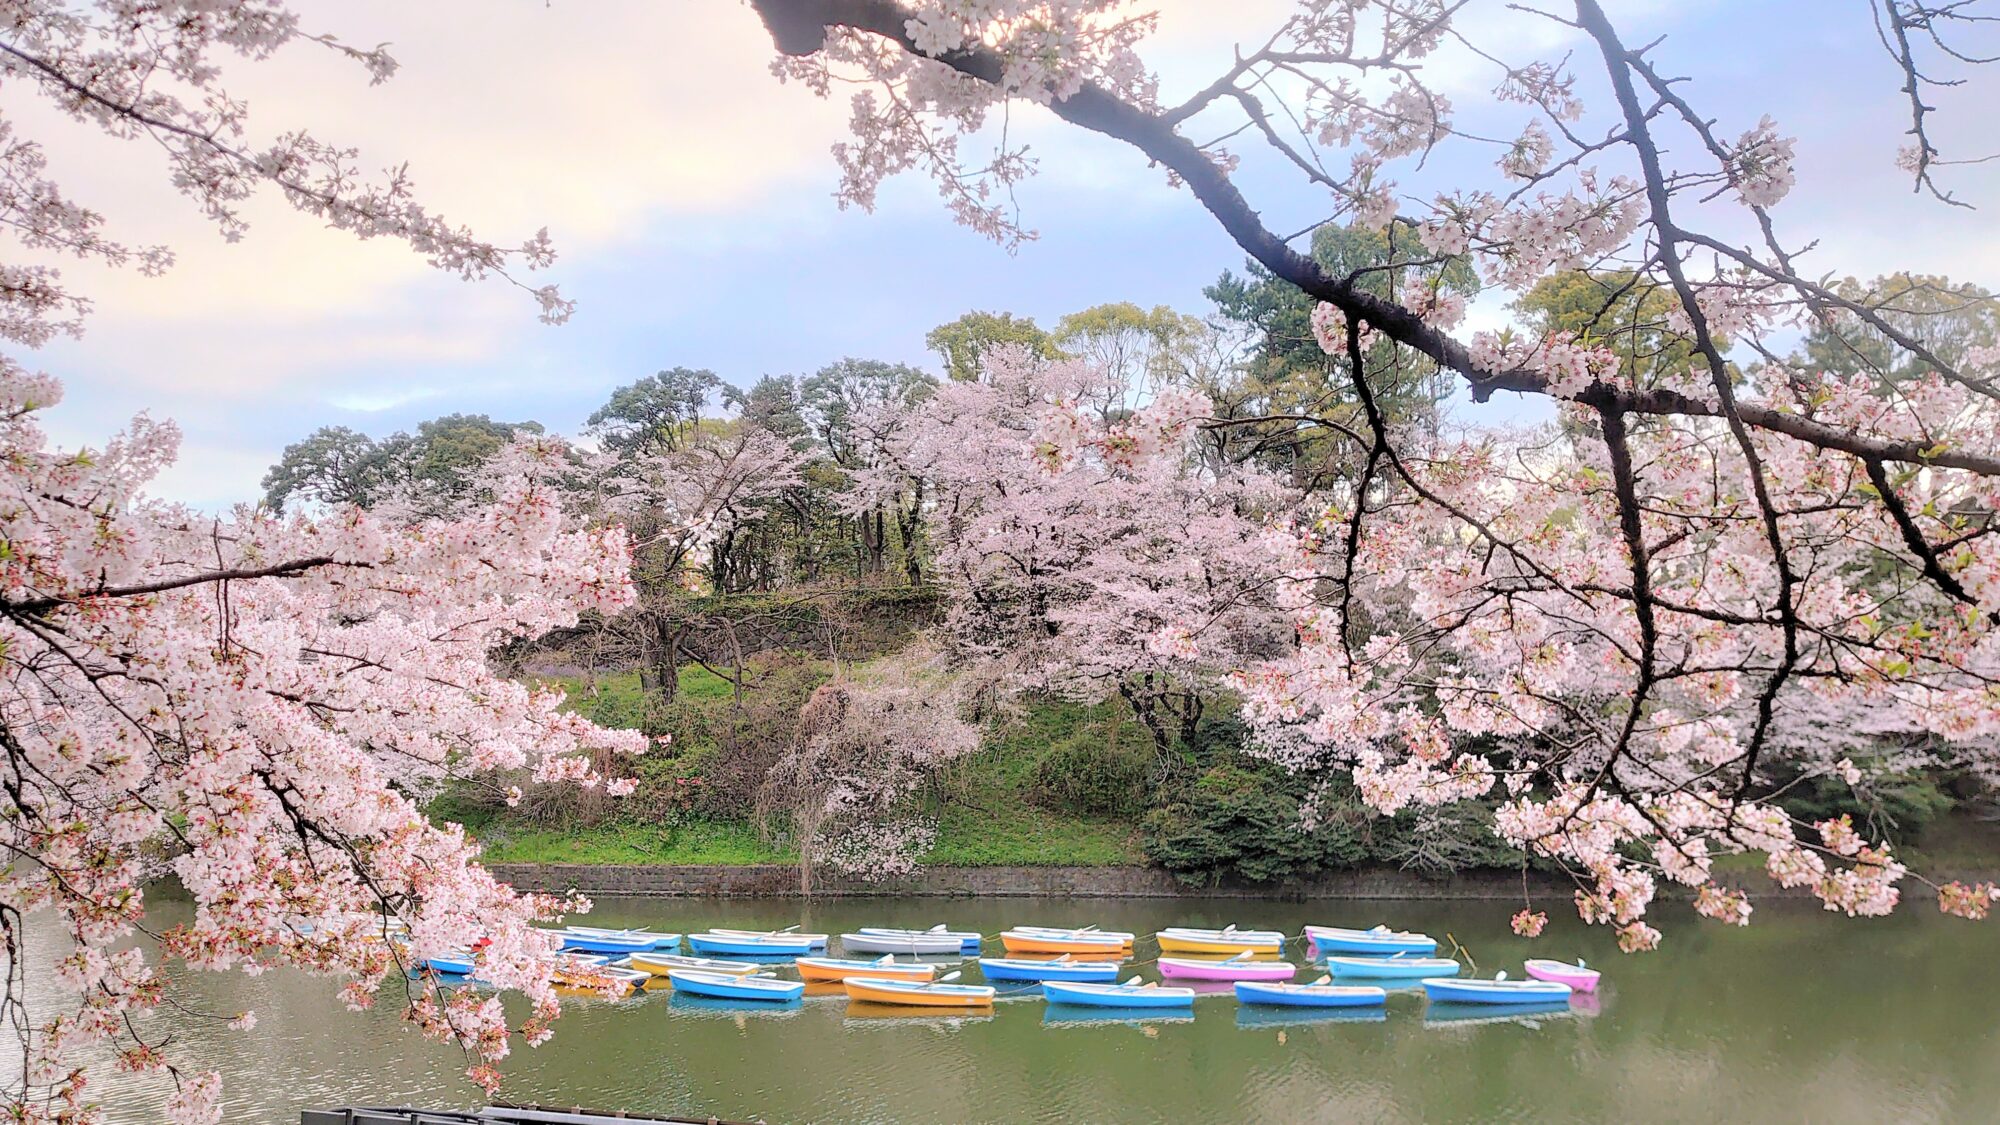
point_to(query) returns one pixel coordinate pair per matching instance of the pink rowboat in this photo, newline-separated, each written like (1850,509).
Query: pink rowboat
(1236,968)
(1562,972)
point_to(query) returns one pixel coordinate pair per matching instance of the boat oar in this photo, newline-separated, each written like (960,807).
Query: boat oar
(948,977)
(1133,983)
(886,959)
(937,929)
(1324,979)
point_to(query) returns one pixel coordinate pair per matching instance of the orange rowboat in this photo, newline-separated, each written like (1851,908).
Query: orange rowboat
(837,968)
(1073,941)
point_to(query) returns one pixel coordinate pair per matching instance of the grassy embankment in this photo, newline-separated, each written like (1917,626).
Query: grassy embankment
(986,818)
(989,811)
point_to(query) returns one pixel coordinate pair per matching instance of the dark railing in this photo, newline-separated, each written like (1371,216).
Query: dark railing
(500,1113)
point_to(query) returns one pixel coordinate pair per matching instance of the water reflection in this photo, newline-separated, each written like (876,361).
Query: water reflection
(1066,1015)
(690,1004)
(1444,1013)
(1255,1016)
(1800,1017)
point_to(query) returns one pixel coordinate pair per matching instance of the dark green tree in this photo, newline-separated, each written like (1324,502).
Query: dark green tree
(657,413)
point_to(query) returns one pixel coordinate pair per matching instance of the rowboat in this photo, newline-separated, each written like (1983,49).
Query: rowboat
(1061,941)
(1322,993)
(1398,967)
(750,945)
(573,940)
(837,968)
(920,994)
(722,986)
(1007,968)
(968,940)
(659,941)
(1128,995)
(1577,976)
(1380,940)
(1499,990)
(660,964)
(915,941)
(581,975)
(1091,929)
(815,939)
(455,962)
(1179,939)
(1236,968)
(1255,1017)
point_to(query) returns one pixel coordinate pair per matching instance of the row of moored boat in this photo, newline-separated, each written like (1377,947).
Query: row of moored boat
(1077,966)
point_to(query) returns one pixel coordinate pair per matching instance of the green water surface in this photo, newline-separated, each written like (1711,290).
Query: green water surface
(1803,1016)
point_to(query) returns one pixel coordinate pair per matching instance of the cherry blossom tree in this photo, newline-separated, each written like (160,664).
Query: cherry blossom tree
(1612,624)
(1083,543)
(864,748)
(248,705)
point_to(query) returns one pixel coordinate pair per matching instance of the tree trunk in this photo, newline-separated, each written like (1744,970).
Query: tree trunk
(659,668)
(910,521)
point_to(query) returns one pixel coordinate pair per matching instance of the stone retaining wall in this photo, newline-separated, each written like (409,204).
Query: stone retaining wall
(775,880)
(780,881)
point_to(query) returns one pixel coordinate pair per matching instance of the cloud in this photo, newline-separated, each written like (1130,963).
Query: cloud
(689,194)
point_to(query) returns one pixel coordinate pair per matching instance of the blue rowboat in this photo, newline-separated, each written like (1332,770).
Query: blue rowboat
(722,986)
(815,939)
(1117,995)
(1321,995)
(733,945)
(1388,968)
(915,942)
(1498,991)
(968,941)
(659,941)
(574,940)
(457,963)
(1380,941)
(1010,968)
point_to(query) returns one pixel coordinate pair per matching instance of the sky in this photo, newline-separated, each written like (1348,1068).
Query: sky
(690,196)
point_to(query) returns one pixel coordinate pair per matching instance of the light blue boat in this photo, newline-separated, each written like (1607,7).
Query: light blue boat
(1130,995)
(1010,968)
(722,986)
(1393,968)
(602,942)
(1500,990)
(731,945)
(659,941)
(968,941)
(457,963)
(1284,994)
(1380,941)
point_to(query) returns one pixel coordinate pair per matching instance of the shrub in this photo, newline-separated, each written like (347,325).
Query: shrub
(1243,821)
(1894,806)
(1091,774)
